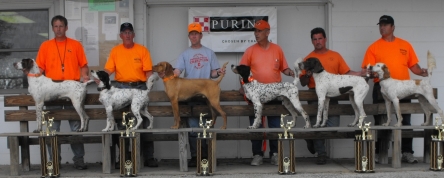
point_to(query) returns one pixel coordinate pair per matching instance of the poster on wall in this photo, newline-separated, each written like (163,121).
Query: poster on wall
(231,29)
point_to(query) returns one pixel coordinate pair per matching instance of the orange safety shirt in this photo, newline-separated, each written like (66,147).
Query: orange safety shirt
(332,62)
(52,54)
(129,65)
(266,64)
(397,55)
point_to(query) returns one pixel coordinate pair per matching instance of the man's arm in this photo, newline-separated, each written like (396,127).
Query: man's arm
(148,74)
(361,73)
(84,73)
(416,69)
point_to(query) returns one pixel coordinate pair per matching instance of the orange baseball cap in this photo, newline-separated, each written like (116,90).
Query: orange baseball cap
(261,25)
(195,27)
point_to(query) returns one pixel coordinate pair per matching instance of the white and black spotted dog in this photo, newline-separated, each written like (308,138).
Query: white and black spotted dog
(393,90)
(332,85)
(260,93)
(116,98)
(44,89)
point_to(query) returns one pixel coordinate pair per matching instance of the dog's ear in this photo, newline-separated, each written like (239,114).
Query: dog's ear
(386,72)
(317,66)
(27,63)
(244,72)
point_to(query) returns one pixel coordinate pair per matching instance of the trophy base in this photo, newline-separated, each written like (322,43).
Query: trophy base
(361,171)
(286,173)
(202,174)
(128,175)
(437,170)
(50,176)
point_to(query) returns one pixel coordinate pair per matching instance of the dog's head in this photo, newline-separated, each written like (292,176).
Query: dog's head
(27,66)
(312,64)
(298,67)
(164,69)
(102,79)
(243,71)
(382,70)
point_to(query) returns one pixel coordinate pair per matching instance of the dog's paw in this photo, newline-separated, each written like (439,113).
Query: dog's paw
(307,126)
(174,127)
(150,127)
(351,125)
(323,125)
(223,127)
(425,124)
(316,126)
(252,127)
(385,124)
(106,130)
(398,125)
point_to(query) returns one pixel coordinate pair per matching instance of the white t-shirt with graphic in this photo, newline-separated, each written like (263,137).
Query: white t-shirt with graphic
(197,63)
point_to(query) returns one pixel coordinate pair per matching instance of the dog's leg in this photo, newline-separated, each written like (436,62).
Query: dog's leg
(388,107)
(110,122)
(325,111)
(296,104)
(321,102)
(79,109)
(38,112)
(423,102)
(353,102)
(257,114)
(213,113)
(398,112)
(175,106)
(216,105)
(287,103)
(144,111)
(136,106)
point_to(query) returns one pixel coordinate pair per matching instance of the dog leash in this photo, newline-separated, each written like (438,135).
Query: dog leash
(264,142)
(35,75)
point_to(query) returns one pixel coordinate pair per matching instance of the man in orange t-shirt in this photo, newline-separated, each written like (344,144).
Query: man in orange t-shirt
(60,59)
(266,61)
(132,65)
(333,63)
(398,55)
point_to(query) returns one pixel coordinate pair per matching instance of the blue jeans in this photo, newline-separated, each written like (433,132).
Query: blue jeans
(77,148)
(333,121)
(256,145)
(406,143)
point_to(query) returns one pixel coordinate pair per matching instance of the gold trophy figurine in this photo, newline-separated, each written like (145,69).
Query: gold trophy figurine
(365,129)
(285,126)
(204,166)
(364,163)
(128,167)
(440,129)
(45,123)
(439,162)
(286,165)
(205,126)
(50,168)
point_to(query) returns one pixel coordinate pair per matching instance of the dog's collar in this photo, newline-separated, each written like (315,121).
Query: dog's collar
(250,79)
(34,75)
(169,78)
(100,88)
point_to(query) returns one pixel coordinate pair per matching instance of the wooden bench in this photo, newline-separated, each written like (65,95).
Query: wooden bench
(24,138)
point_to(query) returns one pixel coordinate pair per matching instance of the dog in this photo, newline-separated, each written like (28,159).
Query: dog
(260,93)
(44,89)
(393,90)
(180,89)
(115,98)
(331,85)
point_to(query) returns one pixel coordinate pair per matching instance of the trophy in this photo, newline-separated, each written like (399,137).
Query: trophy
(364,144)
(437,147)
(286,165)
(128,168)
(49,168)
(204,166)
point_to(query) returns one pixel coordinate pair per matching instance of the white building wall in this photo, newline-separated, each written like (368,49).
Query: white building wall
(353,29)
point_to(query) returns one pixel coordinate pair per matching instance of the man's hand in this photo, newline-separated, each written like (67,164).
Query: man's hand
(241,91)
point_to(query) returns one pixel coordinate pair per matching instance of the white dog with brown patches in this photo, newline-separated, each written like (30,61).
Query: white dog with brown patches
(393,90)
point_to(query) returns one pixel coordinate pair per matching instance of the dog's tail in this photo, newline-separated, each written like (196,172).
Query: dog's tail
(150,82)
(88,82)
(431,63)
(297,71)
(221,76)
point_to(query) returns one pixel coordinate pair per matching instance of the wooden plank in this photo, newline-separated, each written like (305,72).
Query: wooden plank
(13,144)
(160,96)
(106,154)
(183,151)
(235,110)
(396,156)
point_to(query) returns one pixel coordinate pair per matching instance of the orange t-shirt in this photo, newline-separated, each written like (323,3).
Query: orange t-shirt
(332,62)
(130,65)
(266,64)
(51,57)
(397,55)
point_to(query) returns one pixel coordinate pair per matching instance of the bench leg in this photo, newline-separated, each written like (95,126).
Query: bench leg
(396,157)
(213,151)
(183,151)
(24,147)
(427,139)
(106,154)
(14,155)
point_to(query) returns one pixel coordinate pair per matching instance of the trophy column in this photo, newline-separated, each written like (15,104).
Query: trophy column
(49,168)
(204,166)
(286,165)
(128,168)
(437,148)
(364,147)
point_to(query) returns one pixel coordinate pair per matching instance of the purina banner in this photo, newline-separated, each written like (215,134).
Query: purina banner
(231,29)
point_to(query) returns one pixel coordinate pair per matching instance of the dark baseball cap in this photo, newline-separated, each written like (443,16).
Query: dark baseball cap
(125,26)
(386,19)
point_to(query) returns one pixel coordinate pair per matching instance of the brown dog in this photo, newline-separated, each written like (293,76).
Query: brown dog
(180,89)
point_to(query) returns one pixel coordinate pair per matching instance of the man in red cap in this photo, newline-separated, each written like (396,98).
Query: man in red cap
(266,61)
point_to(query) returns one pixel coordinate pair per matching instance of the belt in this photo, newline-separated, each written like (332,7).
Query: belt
(132,83)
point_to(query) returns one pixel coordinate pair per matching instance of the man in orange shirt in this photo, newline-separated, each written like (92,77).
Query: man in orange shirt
(266,61)
(133,66)
(333,63)
(60,59)
(398,55)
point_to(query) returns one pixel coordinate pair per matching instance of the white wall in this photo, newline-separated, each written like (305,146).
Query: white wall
(353,29)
